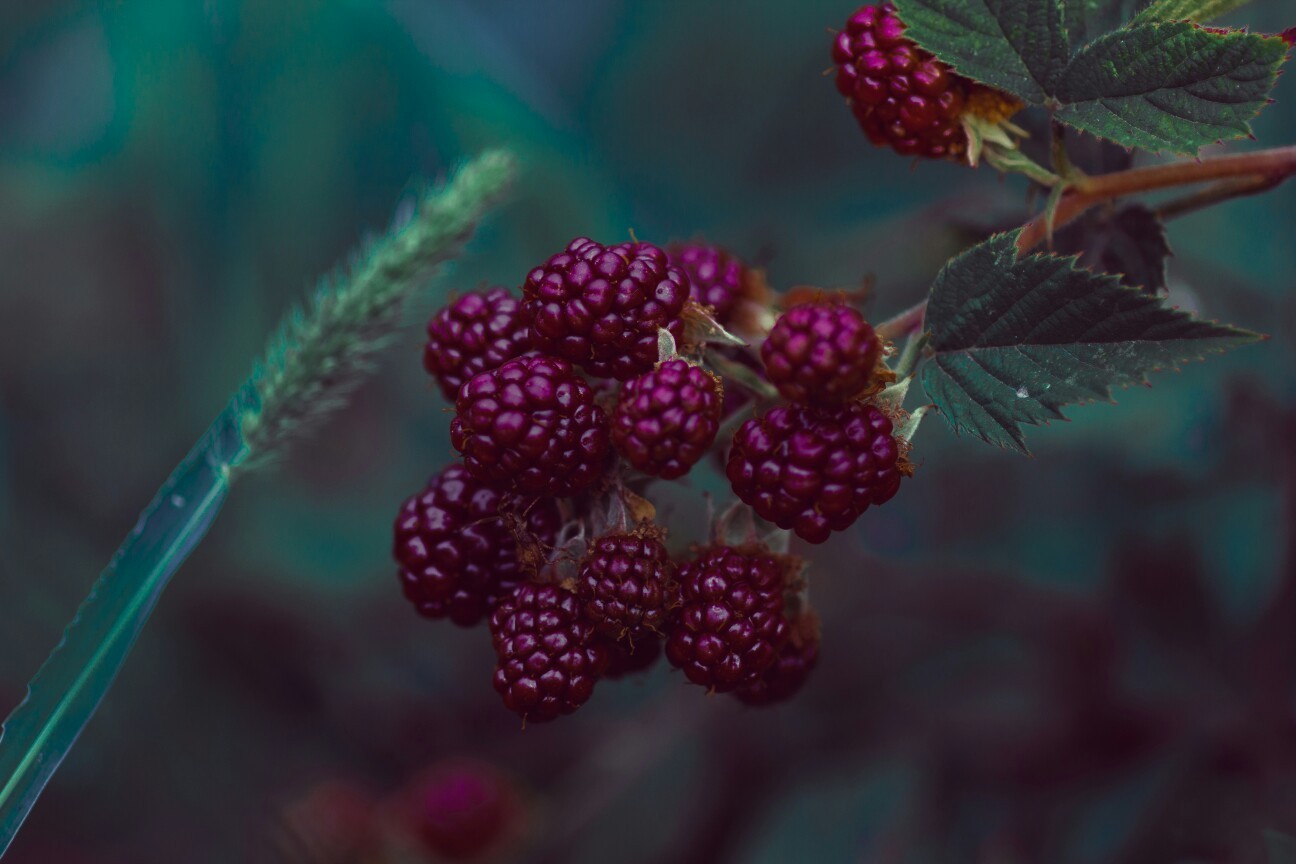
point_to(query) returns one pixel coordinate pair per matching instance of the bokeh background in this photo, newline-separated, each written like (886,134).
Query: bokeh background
(1086,656)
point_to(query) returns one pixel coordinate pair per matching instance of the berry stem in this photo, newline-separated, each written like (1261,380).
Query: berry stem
(1262,167)
(906,323)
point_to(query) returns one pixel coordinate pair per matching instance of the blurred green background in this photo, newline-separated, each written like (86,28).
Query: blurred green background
(1085,656)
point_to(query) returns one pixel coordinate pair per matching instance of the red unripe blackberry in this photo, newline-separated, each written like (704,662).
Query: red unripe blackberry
(731,626)
(460,810)
(632,657)
(600,307)
(531,426)
(815,470)
(473,333)
(821,353)
(902,96)
(791,669)
(626,585)
(717,278)
(457,550)
(666,420)
(549,655)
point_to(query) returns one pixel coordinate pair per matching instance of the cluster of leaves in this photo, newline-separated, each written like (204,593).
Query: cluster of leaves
(1014,337)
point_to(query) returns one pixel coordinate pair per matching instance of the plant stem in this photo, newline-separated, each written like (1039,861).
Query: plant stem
(907,322)
(1271,166)
(1216,193)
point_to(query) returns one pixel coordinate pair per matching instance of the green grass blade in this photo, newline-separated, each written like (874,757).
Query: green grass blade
(68,688)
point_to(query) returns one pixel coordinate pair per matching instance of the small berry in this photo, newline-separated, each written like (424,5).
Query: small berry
(902,96)
(731,625)
(796,660)
(549,655)
(532,426)
(626,584)
(460,810)
(718,279)
(476,332)
(666,420)
(632,657)
(815,471)
(456,549)
(821,353)
(600,307)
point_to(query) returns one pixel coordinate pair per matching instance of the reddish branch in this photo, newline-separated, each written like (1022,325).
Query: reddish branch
(1239,174)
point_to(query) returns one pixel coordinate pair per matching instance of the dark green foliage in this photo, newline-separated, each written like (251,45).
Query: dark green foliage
(1162,86)
(1016,339)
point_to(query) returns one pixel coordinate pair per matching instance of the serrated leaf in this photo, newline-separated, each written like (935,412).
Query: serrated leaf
(1183,10)
(1018,46)
(1129,242)
(1016,339)
(1173,86)
(1161,86)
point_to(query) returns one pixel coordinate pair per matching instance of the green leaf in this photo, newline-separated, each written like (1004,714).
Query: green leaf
(69,686)
(1183,10)
(1086,20)
(1157,86)
(1170,86)
(1014,340)
(1018,46)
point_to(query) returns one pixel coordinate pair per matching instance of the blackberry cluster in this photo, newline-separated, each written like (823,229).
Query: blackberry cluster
(457,547)
(600,307)
(821,353)
(666,420)
(815,471)
(572,403)
(479,331)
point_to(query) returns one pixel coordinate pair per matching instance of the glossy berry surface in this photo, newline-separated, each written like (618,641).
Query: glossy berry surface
(902,96)
(549,656)
(815,471)
(821,353)
(600,307)
(788,674)
(531,426)
(715,276)
(666,420)
(475,332)
(460,810)
(457,552)
(626,585)
(630,658)
(731,626)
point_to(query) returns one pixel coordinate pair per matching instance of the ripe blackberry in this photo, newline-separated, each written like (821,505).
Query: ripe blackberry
(631,658)
(718,279)
(475,332)
(665,420)
(821,353)
(902,96)
(600,307)
(626,584)
(459,810)
(456,549)
(731,626)
(531,426)
(815,470)
(549,655)
(791,669)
